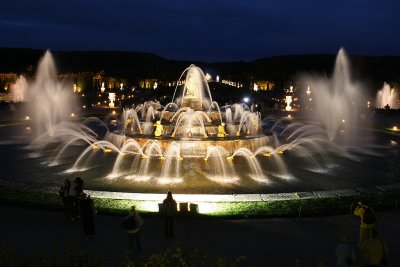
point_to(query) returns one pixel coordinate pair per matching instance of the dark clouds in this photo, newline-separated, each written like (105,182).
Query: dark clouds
(204,30)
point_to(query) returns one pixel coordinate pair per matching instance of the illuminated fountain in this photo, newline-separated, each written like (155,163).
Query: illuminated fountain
(50,101)
(337,99)
(19,90)
(289,99)
(387,97)
(193,144)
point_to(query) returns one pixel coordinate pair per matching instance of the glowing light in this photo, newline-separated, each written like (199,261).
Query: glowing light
(246,99)
(111,97)
(27,118)
(395,128)
(230,158)
(267,155)
(289,116)
(107,150)
(113,112)
(308,92)
(72,114)
(343,120)
(288,100)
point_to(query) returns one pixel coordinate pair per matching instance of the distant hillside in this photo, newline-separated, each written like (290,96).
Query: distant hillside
(145,65)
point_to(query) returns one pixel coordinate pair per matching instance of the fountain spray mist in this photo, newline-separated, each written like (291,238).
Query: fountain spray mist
(51,102)
(337,100)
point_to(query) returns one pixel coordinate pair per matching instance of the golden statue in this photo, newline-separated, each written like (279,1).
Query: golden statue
(159,129)
(221,130)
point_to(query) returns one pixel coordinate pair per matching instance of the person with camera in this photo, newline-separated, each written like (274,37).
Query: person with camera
(367,222)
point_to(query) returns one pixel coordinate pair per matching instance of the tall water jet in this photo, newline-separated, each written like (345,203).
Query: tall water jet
(19,89)
(51,101)
(337,99)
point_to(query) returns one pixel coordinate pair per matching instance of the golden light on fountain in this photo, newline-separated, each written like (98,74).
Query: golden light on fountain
(268,155)
(144,156)
(72,114)
(162,158)
(280,151)
(107,150)
(113,112)
(27,118)
(395,128)
(230,158)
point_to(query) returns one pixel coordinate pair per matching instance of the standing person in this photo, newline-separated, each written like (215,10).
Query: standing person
(79,185)
(132,224)
(367,221)
(345,254)
(374,251)
(170,210)
(64,196)
(87,215)
(74,200)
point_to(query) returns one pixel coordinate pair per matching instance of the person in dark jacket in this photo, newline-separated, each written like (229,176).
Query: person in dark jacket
(87,215)
(170,210)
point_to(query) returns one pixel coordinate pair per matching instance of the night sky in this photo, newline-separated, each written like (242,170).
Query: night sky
(208,30)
